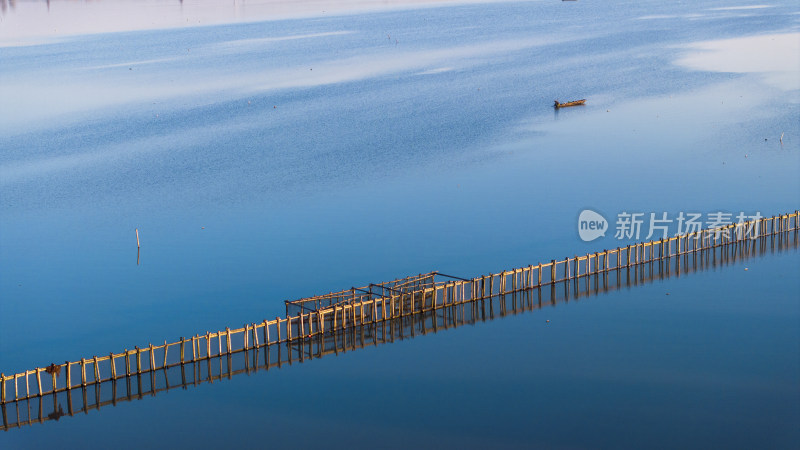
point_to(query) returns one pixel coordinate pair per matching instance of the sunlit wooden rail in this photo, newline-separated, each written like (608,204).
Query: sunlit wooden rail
(99,382)
(360,294)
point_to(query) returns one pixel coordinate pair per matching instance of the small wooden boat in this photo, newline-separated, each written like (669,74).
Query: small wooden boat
(572,103)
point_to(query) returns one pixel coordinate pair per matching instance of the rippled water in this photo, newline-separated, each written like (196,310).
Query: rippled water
(263,161)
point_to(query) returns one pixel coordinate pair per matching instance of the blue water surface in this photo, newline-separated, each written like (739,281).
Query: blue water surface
(275,160)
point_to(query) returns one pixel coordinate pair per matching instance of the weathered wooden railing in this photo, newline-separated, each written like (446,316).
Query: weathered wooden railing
(349,326)
(360,308)
(359,294)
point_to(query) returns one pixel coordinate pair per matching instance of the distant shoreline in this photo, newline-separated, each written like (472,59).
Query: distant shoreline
(29,23)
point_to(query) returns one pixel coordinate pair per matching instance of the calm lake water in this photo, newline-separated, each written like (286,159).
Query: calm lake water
(271,160)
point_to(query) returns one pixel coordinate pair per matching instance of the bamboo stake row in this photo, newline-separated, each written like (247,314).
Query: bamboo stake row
(370,334)
(358,310)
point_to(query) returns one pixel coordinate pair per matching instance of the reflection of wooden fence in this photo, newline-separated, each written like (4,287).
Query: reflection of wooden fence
(346,309)
(155,369)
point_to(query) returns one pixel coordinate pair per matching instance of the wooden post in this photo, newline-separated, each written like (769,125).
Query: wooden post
(278,323)
(266,332)
(208,345)
(302,326)
(39,380)
(552,271)
(183,347)
(194,352)
(113,366)
(228,338)
(138,360)
(69,377)
(166,347)
(127,363)
(3,387)
(96,371)
(137,238)
(245,337)
(255,339)
(539,284)
(83,372)
(399,306)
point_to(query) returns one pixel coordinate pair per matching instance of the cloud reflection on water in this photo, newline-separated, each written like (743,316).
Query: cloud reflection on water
(776,56)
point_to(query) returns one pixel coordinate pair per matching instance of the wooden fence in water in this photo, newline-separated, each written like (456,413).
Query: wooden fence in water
(341,328)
